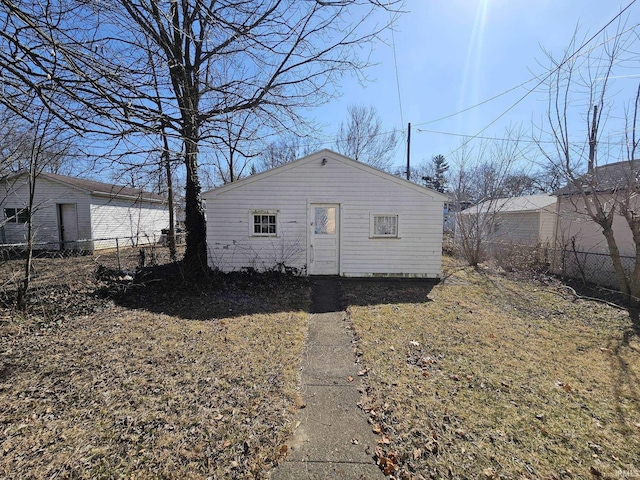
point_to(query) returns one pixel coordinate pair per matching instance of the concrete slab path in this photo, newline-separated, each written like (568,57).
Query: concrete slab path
(334,439)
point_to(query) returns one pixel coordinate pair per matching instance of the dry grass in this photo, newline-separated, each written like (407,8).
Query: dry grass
(136,393)
(494,377)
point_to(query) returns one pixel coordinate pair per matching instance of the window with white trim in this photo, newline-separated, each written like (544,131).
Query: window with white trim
(384,226)
(265,224)
(16,215)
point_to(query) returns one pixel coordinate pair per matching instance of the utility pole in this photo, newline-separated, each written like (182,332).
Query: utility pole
(409,151)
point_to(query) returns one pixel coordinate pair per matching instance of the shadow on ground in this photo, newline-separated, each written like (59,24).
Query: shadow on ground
(166,290)
(325,295)
(380,291)
(612,297)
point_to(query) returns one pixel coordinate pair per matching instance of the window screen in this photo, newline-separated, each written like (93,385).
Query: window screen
(385,225)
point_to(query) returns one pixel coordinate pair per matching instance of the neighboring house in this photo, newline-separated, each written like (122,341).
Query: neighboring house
(451,207)
(611,184)
(583,249)
(527,220)
(77,214)
(326,214)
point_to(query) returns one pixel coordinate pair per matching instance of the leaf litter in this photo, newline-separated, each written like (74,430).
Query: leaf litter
(96,388)
(484,379)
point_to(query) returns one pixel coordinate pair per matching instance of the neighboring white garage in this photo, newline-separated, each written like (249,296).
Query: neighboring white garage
(528,220)
(326,214)
(76,214)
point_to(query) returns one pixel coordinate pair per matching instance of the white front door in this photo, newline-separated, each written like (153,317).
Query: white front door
(68,225)
(324,224)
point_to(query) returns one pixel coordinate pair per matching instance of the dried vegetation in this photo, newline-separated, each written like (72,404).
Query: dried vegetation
(491,376)
(108,378)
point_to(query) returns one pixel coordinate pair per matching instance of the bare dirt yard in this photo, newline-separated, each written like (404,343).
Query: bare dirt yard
(490,376)
(111,378)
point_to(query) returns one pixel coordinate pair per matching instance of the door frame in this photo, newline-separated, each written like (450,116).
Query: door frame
(66,244)
(311,218)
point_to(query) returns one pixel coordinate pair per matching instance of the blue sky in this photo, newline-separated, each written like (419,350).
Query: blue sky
(456,53)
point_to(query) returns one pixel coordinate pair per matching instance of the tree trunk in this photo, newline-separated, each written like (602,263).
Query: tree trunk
(634,300)
(26,280)
(194,213)
(614,253)
(166,158)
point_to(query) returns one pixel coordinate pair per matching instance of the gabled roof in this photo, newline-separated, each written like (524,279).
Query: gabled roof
(334,156)
(528,203)
(606,178)
(99,188)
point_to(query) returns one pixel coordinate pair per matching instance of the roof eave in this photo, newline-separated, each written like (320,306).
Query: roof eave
(127,197)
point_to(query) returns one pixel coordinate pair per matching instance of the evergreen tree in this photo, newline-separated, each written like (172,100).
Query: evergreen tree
(438,179)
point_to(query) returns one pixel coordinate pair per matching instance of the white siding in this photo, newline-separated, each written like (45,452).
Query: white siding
(576,224)
(98,217)
(517,227)
(590,260)
(548,220)
(139,222)
(358,191)
(48,194)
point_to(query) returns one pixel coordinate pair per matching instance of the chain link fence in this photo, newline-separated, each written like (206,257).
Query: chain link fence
(587,267)
(59,269)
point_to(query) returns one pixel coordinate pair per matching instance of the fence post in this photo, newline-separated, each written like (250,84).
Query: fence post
(118,254)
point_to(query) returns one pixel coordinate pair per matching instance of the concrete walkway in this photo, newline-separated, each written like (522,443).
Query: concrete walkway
(334,439)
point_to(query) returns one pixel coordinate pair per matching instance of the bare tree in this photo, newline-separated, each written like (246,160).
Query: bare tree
(237,136)
(364,138)
(213,59)
(46,142)
(17,137)
(283,150)
(478,182)
(417,172)
(581,92)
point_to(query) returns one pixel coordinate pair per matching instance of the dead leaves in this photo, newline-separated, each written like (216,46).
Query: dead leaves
(137,379)
(432,445)
(388,462)
(595,472)
(489,473)
(299,402)
(507,379)
(565,386)
(283,450)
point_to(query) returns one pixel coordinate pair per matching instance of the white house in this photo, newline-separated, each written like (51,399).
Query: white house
(73,213)
(526,220)
(582,248)
(326,214)
(613,184)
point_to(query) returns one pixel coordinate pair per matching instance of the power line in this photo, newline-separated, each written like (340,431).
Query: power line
(395,61)
(535,77)
(499,139)
(503,139)
(477,104)
(546,77)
